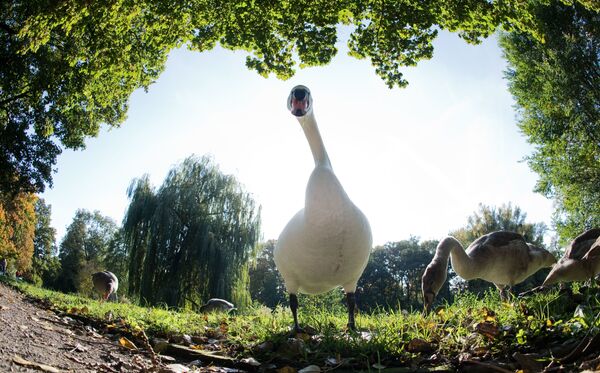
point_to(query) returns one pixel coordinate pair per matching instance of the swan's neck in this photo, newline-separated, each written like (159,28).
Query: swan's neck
(317,148)
(462,264)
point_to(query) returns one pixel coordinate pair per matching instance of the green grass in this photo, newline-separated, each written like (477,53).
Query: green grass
(525,325)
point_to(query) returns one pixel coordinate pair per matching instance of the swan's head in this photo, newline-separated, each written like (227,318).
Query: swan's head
(300,101)
(567,270)
(432,281)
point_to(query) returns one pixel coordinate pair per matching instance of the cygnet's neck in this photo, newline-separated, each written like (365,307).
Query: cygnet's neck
(311,131)
(462,264)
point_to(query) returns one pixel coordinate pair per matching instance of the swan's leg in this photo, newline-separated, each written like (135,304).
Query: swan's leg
(294,308)
(509,293)
(351,299)
(501,288)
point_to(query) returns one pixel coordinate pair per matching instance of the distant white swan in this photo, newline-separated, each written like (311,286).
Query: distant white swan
(502,258)
(327,243)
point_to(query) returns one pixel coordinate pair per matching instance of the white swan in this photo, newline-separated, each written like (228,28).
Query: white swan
(581,261)
(327,243)
(502,258)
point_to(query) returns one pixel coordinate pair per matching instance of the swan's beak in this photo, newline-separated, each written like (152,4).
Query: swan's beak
(299,108)
(299,101)
(428,298)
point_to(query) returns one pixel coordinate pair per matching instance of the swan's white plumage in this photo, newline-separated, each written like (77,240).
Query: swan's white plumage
(327,243)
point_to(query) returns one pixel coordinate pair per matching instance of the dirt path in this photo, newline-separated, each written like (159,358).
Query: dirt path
(32,335)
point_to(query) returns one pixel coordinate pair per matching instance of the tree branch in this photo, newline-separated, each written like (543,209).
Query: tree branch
(8,29)
(14,98)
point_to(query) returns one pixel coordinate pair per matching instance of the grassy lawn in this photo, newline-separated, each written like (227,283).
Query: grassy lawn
(477,330)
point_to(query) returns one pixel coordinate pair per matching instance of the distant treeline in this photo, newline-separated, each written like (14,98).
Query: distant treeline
(196,237)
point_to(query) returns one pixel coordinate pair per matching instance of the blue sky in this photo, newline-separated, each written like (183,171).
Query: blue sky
(416,160)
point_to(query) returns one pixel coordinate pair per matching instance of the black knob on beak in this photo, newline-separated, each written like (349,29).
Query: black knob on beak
(300,93)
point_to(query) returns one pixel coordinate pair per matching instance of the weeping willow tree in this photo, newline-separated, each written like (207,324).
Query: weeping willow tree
(191,239)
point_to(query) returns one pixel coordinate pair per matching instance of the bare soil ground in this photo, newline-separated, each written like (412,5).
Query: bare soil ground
(33,339)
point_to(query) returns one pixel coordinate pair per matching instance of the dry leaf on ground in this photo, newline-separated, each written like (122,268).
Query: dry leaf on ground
(127,343)
(46,368)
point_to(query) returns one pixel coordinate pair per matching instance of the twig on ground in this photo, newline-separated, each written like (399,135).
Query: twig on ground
(153,357)
(491,367)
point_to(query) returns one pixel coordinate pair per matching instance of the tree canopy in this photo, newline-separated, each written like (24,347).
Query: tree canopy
(45,264)
(266,284)
(44,241)
(392,278)
(83,248)
(556,84)
(191,239)
(504,218)
(17,228)
(69,67)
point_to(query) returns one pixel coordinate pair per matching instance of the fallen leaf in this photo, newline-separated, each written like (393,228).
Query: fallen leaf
(167,359)
(528,362)
(286,369)
(264,347)
(490,318)
(310,330)
(196,363)
(303,336)
(524,309)
(94,335)
(251,361)
(480,351)
(419,345)
(127,343)
(187,339)
(579,311)
(378,366)
(79,348)
(367,336)
(293,347)
(174,368)
(310,369)
(84,309)
(160,345)
(488,329)
(332,361)
(224,327)
(46,368)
